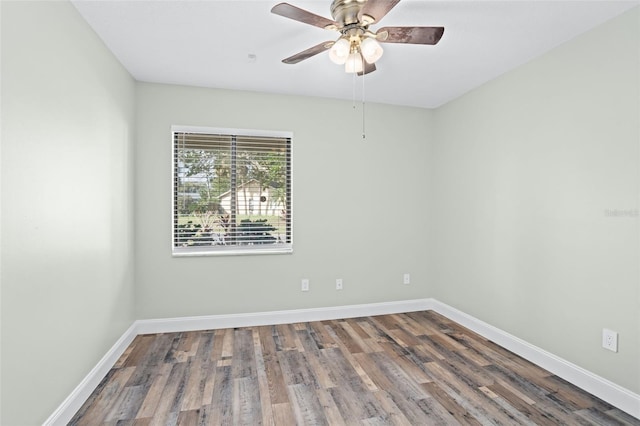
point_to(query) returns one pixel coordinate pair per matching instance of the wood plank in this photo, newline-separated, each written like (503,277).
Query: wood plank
(386,322)
(313,358)
(285,338)
(206,345)
(403,338)
(401,390)
(374,338)
(131,422)
(546,403)
(343,338)
(100,403)
(152,399)
(471,373)
(356,367)
(373,331)
(306,406)
(141,347)
(354,324)
(222,399)
(296,369)
(485,409)
(395,415)
(267,341)
(275,378)
(244,364)
(435,413)
(247,409)
(354,402)
(123,358)
(531,411)
(475,357)
(209,373)
(331,411)
(283,414)
(218,345)
(263,381)
(194,387)
(227,344)
(459,413)
(412,326)
(413,369)
(511,410)
(319,334)
(401,379)
(514,391)
(357,338)
(596,417)
(622,417)
(188,418)
(127,404)
(572,397)
(165,412)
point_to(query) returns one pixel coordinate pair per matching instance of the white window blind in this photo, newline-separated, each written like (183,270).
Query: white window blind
(231,191)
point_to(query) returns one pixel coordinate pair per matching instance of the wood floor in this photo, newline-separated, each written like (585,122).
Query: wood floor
(408,369)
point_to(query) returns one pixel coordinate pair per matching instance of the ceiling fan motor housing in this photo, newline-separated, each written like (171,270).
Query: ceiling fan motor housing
(345,12)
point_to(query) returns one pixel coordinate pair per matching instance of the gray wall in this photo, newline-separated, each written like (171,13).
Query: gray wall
(531,169)
(359,212)
(67,205)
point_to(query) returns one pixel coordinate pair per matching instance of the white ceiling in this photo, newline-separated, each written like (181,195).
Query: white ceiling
(208,43)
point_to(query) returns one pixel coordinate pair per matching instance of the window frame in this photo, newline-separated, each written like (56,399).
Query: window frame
(222,250)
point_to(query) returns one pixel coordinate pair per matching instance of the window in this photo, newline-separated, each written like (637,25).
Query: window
(231,191)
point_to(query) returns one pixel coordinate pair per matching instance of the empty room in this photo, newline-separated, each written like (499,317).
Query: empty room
(316,212)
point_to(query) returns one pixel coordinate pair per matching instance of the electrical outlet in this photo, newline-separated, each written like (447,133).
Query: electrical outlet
(305,284)
(406,279)
(610,340)
(338,283)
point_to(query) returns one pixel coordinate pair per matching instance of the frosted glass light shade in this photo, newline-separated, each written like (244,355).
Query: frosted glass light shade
(340,51)
(354,63)
(371,50)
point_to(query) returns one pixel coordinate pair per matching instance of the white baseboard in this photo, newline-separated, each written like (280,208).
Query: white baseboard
(604,389)
(596,385)
(74,401)
(279,317)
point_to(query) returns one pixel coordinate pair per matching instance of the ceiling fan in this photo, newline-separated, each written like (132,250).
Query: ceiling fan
(358,48)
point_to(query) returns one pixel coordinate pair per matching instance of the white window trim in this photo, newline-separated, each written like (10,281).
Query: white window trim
(231,250)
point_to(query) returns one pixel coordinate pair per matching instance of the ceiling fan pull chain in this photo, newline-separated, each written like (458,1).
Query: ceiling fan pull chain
(364,135)
(353,88)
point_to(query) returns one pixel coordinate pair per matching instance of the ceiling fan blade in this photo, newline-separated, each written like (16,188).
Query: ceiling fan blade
(411,35)
(301,15)
(367,68)
(306,54)
(376,9)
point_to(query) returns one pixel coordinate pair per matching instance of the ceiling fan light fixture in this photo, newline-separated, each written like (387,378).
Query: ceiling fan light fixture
(354,63)
(339,52)
(371,50)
